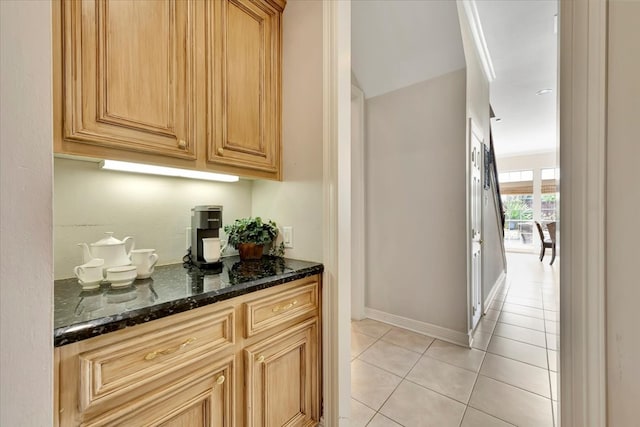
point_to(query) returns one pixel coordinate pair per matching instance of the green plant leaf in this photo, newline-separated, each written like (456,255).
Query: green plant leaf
(251,230)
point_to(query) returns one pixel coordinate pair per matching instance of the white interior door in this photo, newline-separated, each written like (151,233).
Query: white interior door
(475,204)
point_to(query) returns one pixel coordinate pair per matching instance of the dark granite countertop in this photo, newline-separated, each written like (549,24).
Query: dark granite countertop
(79,314)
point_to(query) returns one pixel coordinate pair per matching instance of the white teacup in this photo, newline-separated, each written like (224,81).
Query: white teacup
(90,274)
(211,249)
(145,261)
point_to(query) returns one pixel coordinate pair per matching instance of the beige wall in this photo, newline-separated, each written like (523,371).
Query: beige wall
(535,161)
(623,205)
(26,261)
(493,262)
(415,202)
(155,210)
(297,201)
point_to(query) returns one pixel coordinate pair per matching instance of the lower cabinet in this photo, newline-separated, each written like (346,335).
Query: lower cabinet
(203,367)
(201,399)
(282,378)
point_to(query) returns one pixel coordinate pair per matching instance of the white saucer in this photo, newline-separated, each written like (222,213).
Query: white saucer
(88,286)
(121,283)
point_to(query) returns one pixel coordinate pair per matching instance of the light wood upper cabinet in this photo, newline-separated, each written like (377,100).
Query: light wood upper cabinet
(184,83)
(244,103)
(128,75)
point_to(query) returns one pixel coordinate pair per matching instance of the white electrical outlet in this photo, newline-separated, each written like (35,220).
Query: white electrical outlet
(287,236)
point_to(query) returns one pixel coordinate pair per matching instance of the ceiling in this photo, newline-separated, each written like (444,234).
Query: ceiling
(399,43)
(395,44)
(523,46)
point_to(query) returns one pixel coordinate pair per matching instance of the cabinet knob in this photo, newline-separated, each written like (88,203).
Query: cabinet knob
(220,151)
(220,379)
(260,359)
(182,144)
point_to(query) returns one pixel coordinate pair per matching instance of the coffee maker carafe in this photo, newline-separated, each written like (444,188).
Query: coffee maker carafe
(206,222)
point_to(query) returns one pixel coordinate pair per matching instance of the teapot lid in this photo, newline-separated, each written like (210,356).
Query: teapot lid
(108,241)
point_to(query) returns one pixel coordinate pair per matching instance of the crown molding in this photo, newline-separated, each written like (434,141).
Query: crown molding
(473,18)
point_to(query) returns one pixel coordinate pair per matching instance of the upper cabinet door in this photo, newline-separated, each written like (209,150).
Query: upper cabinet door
(244,84)
(128,75)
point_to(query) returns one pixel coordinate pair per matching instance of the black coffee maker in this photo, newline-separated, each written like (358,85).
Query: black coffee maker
(206,222)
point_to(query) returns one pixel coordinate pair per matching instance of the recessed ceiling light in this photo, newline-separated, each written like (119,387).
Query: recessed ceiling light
(544,91)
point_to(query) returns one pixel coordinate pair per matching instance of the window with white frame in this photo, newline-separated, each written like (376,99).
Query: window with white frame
(518,226)
(549,196)
(517,199)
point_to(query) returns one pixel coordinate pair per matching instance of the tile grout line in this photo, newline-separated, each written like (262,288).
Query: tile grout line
(396,388)
(466,407)
(520,326)
(516,360)
(383,369)
(547,357)
(476,382)
(553,415)
(487,351)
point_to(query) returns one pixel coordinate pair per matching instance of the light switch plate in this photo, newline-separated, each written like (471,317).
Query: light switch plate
(287,236)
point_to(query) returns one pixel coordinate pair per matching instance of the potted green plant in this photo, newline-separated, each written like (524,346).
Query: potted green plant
(249,235)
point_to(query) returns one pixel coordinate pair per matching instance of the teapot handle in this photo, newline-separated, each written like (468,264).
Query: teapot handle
(133,244)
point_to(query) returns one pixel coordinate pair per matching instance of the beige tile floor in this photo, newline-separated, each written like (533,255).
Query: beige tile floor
(508,377)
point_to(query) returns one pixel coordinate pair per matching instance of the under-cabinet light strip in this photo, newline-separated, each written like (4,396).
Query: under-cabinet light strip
(165,171)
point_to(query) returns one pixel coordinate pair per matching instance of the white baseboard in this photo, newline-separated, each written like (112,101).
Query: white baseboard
(499,282)
(444,334)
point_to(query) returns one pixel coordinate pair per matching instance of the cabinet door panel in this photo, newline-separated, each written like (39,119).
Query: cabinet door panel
(282,378)
(131,34)
(203,399)
(244,103)
(128,75)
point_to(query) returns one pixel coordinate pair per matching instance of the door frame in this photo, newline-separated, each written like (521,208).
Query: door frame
(336,218)
(582,98)
(358,217)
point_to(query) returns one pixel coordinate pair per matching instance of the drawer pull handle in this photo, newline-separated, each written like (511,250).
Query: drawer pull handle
(220,152)
(153,354)
(182,144)
(220,379)
(278,308)
(261,359)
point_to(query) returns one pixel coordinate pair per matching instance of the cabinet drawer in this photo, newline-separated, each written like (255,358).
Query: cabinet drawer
(266,312)
(202,398)
(118,367)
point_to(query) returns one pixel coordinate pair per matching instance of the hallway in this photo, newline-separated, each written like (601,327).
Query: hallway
(509,377)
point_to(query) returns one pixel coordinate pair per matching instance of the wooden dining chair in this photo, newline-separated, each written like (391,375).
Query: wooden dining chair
(547,243)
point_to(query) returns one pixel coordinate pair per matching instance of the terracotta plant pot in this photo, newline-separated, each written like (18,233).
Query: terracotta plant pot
(250,251)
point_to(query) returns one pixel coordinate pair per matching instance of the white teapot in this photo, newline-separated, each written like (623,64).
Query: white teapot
(112,250)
